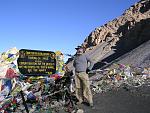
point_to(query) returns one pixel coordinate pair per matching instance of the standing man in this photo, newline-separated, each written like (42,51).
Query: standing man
(82,83)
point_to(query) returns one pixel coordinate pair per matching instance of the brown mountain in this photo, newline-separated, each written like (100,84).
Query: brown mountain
(119,36)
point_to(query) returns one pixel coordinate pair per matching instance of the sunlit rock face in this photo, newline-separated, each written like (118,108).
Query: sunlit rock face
(119,36)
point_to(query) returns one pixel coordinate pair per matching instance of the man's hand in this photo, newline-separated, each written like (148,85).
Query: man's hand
(87,70)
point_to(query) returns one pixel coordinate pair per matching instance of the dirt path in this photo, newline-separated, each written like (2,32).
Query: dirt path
(122,101)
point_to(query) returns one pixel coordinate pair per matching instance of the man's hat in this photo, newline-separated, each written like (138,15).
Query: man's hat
(78,47)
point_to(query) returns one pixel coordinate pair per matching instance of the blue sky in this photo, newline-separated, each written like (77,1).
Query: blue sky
(54,24)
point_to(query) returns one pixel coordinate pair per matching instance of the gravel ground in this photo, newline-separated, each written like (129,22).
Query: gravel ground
(124,100)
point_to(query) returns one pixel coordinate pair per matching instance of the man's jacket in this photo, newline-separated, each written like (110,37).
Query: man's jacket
(81,63)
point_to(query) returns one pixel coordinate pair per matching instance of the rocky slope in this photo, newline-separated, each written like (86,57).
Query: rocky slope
(120,35)
(139,57)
